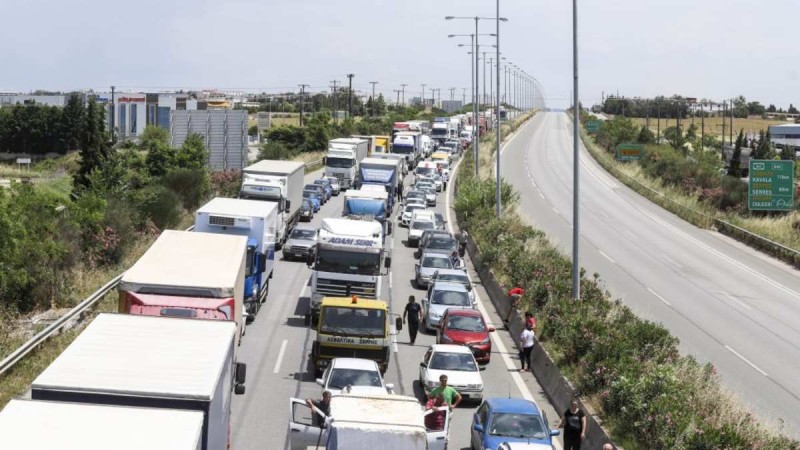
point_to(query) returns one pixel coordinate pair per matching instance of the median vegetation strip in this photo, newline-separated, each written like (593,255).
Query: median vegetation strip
(629,369)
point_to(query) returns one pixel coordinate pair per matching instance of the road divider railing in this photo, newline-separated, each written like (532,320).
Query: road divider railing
(79,311)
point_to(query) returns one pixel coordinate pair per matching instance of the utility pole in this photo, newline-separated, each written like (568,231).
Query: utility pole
(452,94)
(302,101)
(350,96)
(113,117)
(335,105)
(702,127)
(463,97)
(576,119)
(491,93)
(397,91)
(484,78)
(724,113)
(372,110)
(423,96)
(731,128)
(403,86)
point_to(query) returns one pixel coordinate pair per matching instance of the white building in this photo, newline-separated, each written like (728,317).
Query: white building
(787,134)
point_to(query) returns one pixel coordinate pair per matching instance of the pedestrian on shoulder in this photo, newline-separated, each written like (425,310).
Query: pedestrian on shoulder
(451,396)
(574,425)
(414,313)
(462,243)
(530,320)
(526,340)
(400,192)
(445,179)
(515,294)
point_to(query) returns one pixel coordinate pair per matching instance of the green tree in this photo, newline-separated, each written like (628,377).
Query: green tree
(674,135)
(734,166)
(72,121)
(94,145)
(617,131)
(792,109)
(252,131)
(646,136)
(691,133)
(152,135)
(160,159)
(192,154)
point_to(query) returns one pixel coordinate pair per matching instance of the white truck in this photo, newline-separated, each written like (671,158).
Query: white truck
(189,275)
(279,182)
(256,221)
(440,131)
(360,422)
(347,261)
(97,427)
(341,161)
(408,144)
(151,362)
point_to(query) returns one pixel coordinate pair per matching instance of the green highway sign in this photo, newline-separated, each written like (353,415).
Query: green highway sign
(771,186)
(629,152)
(593,126)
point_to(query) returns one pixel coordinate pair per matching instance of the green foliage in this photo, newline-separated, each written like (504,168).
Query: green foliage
(225,184)
(95,147)
(674,135)
(734,166)
(192,186)
(160,158)
(274,150)
(617,131)
(161,205)
(646,136)
(192,154)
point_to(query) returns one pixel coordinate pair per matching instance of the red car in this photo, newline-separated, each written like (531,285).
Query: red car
(466,327)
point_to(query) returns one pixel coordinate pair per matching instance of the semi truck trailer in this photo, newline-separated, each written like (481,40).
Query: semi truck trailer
(279,182)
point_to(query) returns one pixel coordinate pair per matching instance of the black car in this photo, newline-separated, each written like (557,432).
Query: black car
(306,210)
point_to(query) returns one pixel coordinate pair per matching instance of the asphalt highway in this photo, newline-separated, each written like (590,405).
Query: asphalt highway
(277,347)
(728,304)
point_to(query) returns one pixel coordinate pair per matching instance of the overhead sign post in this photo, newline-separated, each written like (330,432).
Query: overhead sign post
(629,152)
(771,185)
(592,126)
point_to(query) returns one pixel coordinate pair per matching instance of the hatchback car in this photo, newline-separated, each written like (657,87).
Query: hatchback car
(416,194)
(408,211)
(443,296)
(466,327)
(455,361)
(427,265)
(326,186)
(335,187)
(510,420)
(319,189)
(313,196)
(455,276)
(302,243)
(417,226)
(354,375)
(306,210)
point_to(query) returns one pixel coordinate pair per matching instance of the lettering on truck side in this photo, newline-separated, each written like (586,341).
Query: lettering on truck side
(352,341)
(351,241)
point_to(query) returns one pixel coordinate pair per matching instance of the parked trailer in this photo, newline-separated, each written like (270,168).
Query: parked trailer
(29,424)
(151,362)
(185,274)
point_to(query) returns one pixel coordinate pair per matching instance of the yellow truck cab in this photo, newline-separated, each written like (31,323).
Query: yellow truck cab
(351,327)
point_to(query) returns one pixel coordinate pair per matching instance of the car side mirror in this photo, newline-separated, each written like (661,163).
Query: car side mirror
(324,160)
(262,261)
(310,259)
(555,432)
(389,228)
(422,364)
(321,382)
(491,330)
(239,378)
(478,427)
(387,262)
(287,206)
(390,386)
(469,287)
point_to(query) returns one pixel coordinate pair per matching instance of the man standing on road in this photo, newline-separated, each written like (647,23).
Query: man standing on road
(526,344)
(414,312)
(445,179)
(462,243)
(400,192)
(323,405)
(451,396)
(574,425)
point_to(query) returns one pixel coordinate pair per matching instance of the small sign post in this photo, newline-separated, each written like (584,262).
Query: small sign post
(629,152)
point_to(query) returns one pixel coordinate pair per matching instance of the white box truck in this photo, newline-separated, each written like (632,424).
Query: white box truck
(360,422)
(256,221)
(29,424)
(151,362)
(189,275)
(279,182)
(341,161)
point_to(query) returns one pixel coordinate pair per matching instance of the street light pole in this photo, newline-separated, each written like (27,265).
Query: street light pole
(576,273)
(497,109)
(372,110)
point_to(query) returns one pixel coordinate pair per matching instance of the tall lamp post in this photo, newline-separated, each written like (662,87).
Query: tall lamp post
(475,141)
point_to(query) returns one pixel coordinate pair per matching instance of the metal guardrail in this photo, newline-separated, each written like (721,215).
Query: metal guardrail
(78,310)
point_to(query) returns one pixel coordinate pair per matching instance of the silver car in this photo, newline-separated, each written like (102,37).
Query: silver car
(443,295)
(428,264)
(335,187)
(302,243)
(455,276)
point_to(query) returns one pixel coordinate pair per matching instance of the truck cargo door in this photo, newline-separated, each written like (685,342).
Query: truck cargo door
(303,430)
(437,439)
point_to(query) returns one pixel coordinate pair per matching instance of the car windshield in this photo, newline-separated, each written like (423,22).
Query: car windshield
(339,163)
(322,183)
(466,323)
(517,425)
(310,194)
(418,194)
(300,233)
(422,225)
(463,362)
(437,262)
(345,321)
(340,261)
(441,243)
(450,298)
(413,207)
(341,378)
(307,204)
(453,277)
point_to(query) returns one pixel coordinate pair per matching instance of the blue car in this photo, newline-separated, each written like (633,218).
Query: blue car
(326,185)
(500,420)
(313,197)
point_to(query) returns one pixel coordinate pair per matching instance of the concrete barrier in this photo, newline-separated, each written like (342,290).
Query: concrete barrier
(556,387)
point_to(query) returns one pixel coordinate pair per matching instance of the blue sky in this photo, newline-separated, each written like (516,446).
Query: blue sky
(711,48)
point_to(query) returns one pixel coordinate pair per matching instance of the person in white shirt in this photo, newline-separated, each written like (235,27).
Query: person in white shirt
(526,344)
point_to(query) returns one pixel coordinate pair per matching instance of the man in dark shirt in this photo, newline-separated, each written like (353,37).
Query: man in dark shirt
(414,312)
(324,405)
(574,425)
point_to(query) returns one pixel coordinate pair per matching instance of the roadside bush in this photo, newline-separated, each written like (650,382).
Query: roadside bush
(274,150)
(226,183)
(191,185)
(161,206)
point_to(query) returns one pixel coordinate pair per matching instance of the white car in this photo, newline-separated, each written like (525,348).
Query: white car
(354,375)
(457,362)
(421,220)
(455,276)
(438,182)
(405,216)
